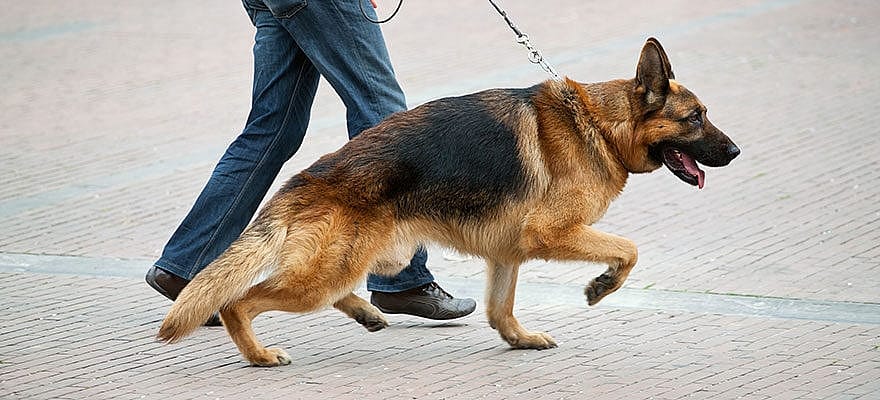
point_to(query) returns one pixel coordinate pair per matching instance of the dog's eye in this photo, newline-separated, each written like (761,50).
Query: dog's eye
(695,118)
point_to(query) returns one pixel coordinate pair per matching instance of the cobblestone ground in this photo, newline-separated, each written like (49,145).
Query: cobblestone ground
(113,114)
(80,337)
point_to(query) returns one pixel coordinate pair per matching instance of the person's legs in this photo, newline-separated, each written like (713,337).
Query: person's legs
(290,51)
(350,53)
(285,82)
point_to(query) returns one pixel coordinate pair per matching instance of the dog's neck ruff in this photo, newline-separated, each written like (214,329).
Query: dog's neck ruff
(597,137)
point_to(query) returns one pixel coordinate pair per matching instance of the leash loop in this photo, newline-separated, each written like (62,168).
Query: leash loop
(379,21)
(535,56)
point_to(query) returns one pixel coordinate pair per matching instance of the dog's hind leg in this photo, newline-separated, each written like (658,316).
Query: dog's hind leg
(291,295)
(330,275)
(584,243)
(361,311)
(237,319)
(500,293)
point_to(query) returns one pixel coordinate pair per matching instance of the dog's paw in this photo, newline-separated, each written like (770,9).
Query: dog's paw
(270,358)
(372,322)
(600,287)
(531,340)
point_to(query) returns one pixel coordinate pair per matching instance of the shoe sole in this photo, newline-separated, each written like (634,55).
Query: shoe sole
(159,289)
(444,317)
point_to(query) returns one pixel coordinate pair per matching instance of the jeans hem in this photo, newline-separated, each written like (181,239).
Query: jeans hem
(421,280)
(172,268)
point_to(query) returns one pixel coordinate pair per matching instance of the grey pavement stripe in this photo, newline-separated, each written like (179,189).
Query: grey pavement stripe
(47,32)
(53,264)
(527,292)
(659,299)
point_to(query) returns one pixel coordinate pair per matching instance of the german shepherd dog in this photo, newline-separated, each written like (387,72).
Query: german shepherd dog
(508,175)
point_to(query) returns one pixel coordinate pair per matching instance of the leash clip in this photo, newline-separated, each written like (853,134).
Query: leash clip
(534,55)
(522,38)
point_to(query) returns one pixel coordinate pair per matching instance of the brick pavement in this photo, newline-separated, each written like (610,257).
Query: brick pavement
(74,337)
(112,117)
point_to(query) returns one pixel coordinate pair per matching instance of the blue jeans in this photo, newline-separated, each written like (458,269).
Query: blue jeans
(295,44)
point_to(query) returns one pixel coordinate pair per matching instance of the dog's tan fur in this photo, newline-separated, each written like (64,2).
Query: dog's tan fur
(575,145)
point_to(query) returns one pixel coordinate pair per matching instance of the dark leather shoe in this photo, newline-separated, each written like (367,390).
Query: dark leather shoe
(167,284)
(170,285)
(428,301)
(214,320)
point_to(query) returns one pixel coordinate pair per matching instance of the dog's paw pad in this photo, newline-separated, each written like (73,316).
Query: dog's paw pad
(376,325)
(372,323)
(533,340)
(282,356)
(599,287)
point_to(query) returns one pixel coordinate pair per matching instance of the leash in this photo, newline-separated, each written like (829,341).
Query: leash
(535,56)
(522,38)
(376,21)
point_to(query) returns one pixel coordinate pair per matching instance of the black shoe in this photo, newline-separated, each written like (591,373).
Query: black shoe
(428,301)
(167,284)
(170,285)
(214,320)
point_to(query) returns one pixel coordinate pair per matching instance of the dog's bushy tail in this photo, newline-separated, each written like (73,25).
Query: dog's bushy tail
(225,280)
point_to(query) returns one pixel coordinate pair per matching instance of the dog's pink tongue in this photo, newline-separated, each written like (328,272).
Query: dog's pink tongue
(691,167)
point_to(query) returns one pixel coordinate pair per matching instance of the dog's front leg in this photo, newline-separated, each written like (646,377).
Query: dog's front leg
(583,243)
(500,292)
(361,311)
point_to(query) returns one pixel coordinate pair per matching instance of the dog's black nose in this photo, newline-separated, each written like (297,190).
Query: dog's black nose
(732,151)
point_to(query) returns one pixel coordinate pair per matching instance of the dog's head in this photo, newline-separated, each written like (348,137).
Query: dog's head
(672,128)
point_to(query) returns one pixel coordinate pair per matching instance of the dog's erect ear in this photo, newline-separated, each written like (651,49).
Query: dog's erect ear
(666,65)
(653,74)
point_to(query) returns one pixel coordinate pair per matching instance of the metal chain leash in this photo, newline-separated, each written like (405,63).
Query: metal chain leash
(535,56)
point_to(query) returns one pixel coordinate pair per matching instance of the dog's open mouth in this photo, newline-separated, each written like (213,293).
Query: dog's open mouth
(684,166)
